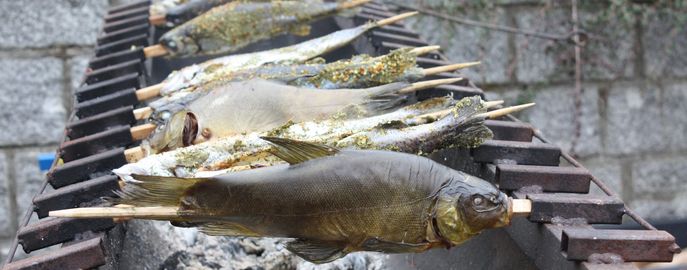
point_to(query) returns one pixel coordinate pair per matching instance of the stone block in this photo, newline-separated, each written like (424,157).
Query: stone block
(674,112)
(32,93)
(665,44)
(665,176)
(6,227)
(77,69)
(614,56)
(661,209)
(543,60)
(461,43)
(27,175)
(608,170)
(45,23)
(634,121)
(554,114)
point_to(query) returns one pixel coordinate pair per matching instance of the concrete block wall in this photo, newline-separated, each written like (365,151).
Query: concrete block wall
(44,49)
(633,124)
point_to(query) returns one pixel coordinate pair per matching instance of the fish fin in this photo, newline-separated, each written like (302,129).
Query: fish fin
(317,251)
(379,245)
(300,30)
(384,97)
(148,190)
(294,152)
(226,229)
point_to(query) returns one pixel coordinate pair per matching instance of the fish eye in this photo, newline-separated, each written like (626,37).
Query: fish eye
(190,129)
(477,200)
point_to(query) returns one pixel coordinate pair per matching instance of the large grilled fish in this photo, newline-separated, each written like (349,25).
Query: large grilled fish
(331,201)
(232,26)
(258,105)
(200,74)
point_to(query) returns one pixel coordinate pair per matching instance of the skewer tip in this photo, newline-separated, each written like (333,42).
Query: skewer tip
(396,18)
(424,49)
(505,111)
(448,68)
(428,84)
(520,207)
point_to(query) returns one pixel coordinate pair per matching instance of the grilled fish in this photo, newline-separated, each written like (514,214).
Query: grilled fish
(399,131)
(232,26)
(177,12)
(258,105)
(191,76)
(332,202)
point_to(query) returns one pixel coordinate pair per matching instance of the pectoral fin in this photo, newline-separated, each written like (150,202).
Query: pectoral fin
(295,152)
(300,30)
(317,251)
(379,245)
(226,229)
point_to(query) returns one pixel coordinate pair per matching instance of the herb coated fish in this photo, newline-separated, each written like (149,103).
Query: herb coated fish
(191,76)
(232,26)
(332,202)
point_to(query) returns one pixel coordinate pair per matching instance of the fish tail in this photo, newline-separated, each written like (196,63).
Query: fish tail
(146,190)
(385,97)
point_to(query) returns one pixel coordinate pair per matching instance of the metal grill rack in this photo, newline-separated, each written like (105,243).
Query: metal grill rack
(557,235)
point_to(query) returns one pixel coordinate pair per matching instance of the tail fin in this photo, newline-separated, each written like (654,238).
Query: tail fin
(148,190)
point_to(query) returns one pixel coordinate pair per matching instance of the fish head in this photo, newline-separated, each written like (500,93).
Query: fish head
(181,130)
(179,43)
(465,209)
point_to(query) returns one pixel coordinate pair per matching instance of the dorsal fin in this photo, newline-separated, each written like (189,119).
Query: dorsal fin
(294,152)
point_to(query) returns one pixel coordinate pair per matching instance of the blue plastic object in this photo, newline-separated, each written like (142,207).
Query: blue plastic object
(45,160)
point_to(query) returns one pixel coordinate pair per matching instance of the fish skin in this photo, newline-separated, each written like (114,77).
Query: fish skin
(175,15)
(258,105)
(249,149)
(200,74)
(356,200)
(232,26)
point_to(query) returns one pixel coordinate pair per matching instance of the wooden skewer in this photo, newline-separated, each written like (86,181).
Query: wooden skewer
(505,111)
(439,114)
(134,154)
(149,91)
(352,4)
(396,18)
(518,207)
(448,68)
(491,104)
(154,51)
(143,113)
(157,19)
(424,49)
(153,212)
(141,132)
(427,84)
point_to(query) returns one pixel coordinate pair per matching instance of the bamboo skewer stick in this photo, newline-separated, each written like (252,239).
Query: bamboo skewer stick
(448,68)
(149,91)
(518,207)
(489,115)
(143,113)
(154,51)
(505,111)
(157,19)
(427,84)
(142,131)
(396,18)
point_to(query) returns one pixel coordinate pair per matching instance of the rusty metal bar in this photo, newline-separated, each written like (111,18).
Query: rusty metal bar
(108,87)
(550,179)
(122,45)
(75,195)
(524,153)
(632,245)
(510,131)
(123,34)
(115,71)
(96,143)
(52,231)
(593,209)
(82,255)
(95,124)
(116,58)
(126,23)
(88,108)
(132,5)
(81,169)
(126,14)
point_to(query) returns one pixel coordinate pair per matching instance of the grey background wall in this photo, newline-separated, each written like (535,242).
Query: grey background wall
(633,122)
